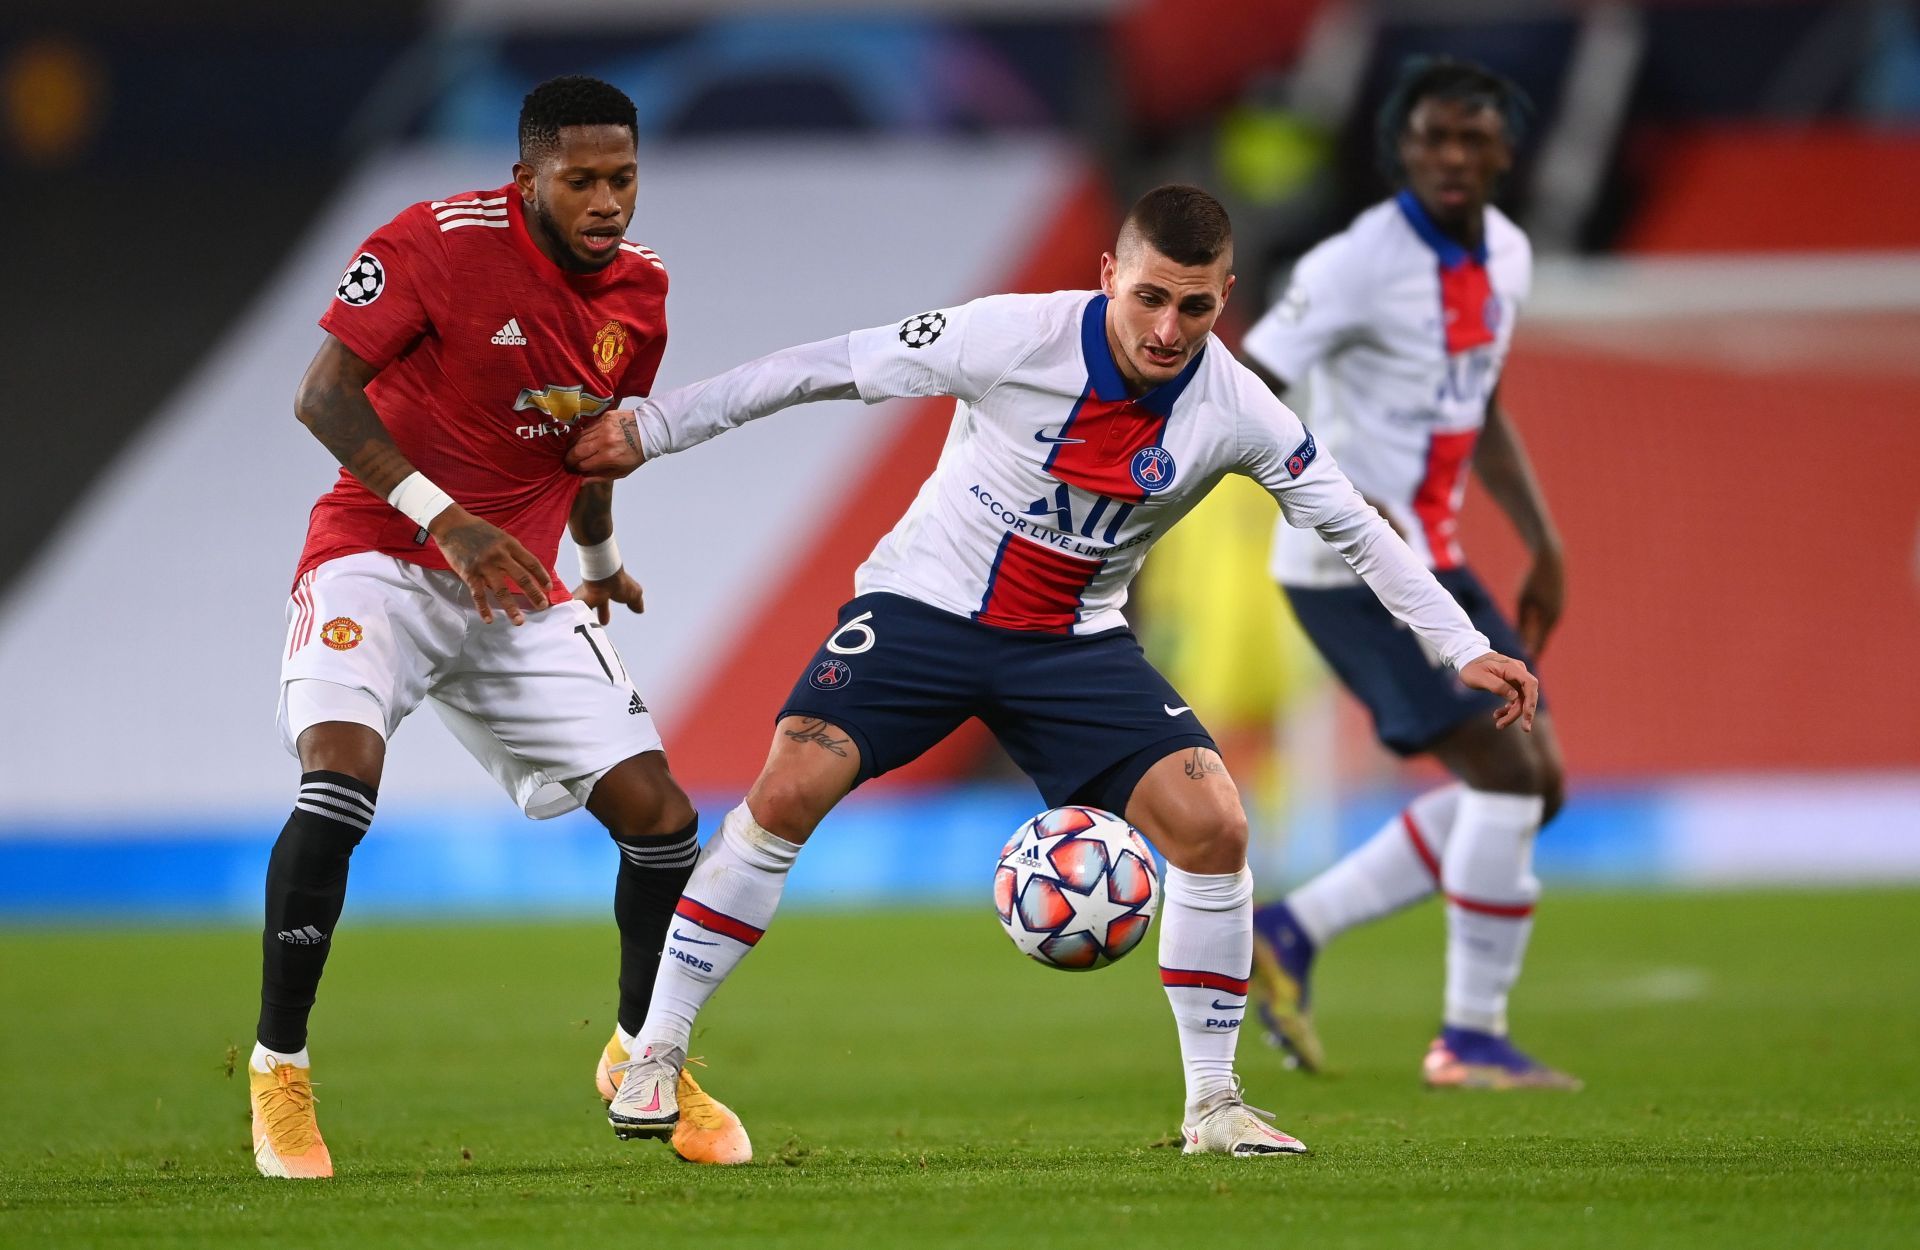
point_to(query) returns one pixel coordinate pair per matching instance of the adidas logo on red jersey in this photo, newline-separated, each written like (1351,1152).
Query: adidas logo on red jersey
(509,335)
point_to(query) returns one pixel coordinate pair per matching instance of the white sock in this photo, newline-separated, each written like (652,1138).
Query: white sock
(1397,866)
(725,908)
(265,1060)
(628,1042)
(1206,956)
(1488,873)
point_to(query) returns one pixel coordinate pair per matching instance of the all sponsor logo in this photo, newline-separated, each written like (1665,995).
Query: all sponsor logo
(830,675)
(1152,469)
(563,404)
(342,633)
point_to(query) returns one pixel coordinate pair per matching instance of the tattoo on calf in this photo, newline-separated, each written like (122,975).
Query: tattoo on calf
(1202,763)
(816,732)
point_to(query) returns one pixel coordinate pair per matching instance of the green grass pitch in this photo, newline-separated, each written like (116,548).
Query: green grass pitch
(1753,1069)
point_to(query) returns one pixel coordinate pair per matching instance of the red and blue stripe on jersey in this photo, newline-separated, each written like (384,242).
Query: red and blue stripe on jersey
(1039,588)
(1469,318)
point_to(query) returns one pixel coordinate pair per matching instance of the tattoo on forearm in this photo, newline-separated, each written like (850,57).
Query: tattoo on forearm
(346,424)
(816,731)
(630,431)
(1202,763)
(591,520)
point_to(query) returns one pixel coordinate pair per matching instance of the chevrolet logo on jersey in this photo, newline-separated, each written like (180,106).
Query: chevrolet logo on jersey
(564,404)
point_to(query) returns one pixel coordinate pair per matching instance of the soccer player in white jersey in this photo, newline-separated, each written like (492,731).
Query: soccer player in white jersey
(1087,424)
(1401,323)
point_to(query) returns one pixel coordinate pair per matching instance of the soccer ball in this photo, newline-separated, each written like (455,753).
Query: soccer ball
(1076,888)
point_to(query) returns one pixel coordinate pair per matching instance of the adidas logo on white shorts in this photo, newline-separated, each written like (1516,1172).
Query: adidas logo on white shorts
(509,335)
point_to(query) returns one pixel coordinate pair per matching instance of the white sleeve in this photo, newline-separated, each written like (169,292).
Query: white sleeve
(963,352)
(1320,309)
(690,415)
(1280,453)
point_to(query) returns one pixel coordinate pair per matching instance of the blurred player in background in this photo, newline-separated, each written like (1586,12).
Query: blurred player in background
(1403,322)
(463,342)
(1088,424)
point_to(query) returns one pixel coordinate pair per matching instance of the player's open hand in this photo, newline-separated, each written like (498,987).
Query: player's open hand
(609,447)
(1542,596)
(1507,677)
(603,594)
(491,562)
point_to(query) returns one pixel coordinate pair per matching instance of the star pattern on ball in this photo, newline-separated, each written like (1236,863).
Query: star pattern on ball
(1092,912)
(1027,866)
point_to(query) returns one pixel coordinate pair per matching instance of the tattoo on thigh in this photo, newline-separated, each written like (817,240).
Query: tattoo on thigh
(816,731)
(1202,763)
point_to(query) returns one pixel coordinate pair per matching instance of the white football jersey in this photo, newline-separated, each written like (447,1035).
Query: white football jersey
(1054,482)
(1399,334)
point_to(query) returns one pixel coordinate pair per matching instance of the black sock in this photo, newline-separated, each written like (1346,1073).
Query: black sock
(653,873)
(306,887)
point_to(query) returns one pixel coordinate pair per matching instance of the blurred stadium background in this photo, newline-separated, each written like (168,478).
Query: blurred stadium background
(1718,379)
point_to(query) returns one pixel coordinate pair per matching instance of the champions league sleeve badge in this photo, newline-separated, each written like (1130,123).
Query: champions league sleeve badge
(1152,469)
(1302,456)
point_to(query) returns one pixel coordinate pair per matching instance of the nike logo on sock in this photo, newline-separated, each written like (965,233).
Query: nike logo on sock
(1220,1006)
(681,937)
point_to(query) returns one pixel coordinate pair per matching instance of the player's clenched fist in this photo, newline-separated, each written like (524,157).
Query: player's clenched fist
(491,562)
(1507,677)
(610,447)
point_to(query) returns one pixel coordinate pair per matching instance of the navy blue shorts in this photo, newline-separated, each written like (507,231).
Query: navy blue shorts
(1084,717)
(1414,700)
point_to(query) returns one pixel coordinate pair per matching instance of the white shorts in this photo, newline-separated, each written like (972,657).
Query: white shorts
(546,707)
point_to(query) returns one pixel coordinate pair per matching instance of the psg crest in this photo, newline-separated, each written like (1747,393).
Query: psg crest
(830,675)
(1152,469)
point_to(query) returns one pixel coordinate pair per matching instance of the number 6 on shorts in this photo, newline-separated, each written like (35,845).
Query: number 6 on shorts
(857,624)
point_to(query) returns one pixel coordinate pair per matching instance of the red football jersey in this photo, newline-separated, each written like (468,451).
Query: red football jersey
(488,352)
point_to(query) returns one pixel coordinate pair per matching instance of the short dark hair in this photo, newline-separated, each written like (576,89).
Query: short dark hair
(571,100)
(1444,78)
(1182,223)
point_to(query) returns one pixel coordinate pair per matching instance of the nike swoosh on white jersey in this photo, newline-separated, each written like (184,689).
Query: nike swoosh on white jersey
(1175,711)
(1041,436)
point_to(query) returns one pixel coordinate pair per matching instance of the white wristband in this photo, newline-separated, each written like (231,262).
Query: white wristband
(420,499)
(599,561)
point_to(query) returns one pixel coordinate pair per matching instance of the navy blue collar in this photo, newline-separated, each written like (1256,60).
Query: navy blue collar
(1105,374)
(1451,254)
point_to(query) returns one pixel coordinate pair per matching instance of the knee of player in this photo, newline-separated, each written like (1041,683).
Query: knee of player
(788,805)
(1217,837)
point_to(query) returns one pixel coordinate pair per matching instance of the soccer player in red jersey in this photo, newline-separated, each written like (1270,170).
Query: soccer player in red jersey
(464,340)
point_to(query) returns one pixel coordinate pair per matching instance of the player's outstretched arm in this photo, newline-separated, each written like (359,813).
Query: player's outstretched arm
(1409,590)
(621,441)
(332,403)
(604,580)
(1500,460)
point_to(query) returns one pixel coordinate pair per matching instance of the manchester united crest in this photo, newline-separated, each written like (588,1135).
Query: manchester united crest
(342,633)
(608,345)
